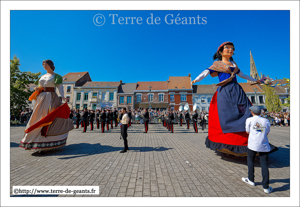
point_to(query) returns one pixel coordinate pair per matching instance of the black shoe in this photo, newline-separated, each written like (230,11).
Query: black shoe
(123,151)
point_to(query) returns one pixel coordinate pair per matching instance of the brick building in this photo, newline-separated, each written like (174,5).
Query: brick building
(152,94)
(180,92)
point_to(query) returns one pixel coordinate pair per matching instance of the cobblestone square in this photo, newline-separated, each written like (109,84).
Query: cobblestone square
(158,164)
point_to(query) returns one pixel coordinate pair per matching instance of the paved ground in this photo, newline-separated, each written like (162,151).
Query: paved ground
(158,164)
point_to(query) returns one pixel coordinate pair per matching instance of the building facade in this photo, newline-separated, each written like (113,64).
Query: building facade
(151,95)
(72,80)
(202,96)
(125,97)
(96,95)
(180,92)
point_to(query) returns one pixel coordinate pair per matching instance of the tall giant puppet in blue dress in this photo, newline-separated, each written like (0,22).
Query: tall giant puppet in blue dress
(229,107)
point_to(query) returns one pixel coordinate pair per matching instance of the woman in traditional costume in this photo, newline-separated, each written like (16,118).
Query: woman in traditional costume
(49,124)
(229,107)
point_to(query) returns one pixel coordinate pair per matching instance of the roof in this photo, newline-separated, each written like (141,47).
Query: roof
(248,88)
(181,82)
(73,76)
(101,84)
(127,88)
(280,89)
(204,89)
(156,85)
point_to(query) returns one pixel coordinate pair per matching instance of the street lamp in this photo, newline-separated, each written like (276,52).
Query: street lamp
(255,89)
(150,97)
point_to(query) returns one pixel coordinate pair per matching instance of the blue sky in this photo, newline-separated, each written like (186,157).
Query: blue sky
(143,52)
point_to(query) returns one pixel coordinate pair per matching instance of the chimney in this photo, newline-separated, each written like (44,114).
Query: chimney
(189,75)
(121,82)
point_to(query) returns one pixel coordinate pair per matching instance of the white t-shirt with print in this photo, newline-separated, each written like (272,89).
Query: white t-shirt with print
(258,128)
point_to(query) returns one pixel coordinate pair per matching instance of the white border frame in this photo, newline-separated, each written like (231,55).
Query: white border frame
(293,6)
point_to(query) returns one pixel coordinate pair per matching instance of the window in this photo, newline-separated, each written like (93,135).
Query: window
(86,96)
(84,106)
(161,97)
(253,99)
(103,96)
(68,98)
(150,97)
(111,96)
(120,108)
(77,106)
(183,97)
(209,100)
(94,106)
(261,99)
(78,96)
(94,95)
(282,100)
(121,99)
(172,97)
(128,99)
(68,89)
(139,98)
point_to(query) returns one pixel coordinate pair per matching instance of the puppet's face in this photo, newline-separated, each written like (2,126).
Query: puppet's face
(227,51)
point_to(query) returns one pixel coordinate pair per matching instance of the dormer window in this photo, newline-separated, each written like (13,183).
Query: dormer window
(79,75)
(107,84)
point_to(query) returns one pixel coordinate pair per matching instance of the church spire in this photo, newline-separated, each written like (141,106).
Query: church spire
(253,70)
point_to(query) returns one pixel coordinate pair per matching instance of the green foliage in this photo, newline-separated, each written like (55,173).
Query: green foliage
(272,100)
(287,104)
(19,81)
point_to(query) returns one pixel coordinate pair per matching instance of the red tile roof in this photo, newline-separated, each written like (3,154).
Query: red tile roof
(70,77)
(101,84)
(249,88)
(181,82)
(156,85)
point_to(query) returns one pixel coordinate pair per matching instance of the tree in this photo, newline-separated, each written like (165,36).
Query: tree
(272,100)
(287,102)
(19,82)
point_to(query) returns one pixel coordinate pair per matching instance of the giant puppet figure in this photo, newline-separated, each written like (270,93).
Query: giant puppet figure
(49,123)
(229,107)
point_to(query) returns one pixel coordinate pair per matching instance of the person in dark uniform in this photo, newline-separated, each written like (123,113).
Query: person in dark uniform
(71,115)
(92,116)
(168,120)
(171,117)
(146,120)
(202,121)
(102,120)
(85,119)
(88,118)
(124,125)
(129,115)
(77,118)
(115,117)
(195,120)
(111,118)
(180,118)
(81,114)
(107,119)
(120,118)
(97,118)
(187,119)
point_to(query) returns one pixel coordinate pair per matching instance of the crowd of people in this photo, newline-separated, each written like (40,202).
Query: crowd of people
(136,115)
(278,119)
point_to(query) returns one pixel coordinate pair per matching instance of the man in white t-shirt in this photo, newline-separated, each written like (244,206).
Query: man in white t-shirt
(258,128)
